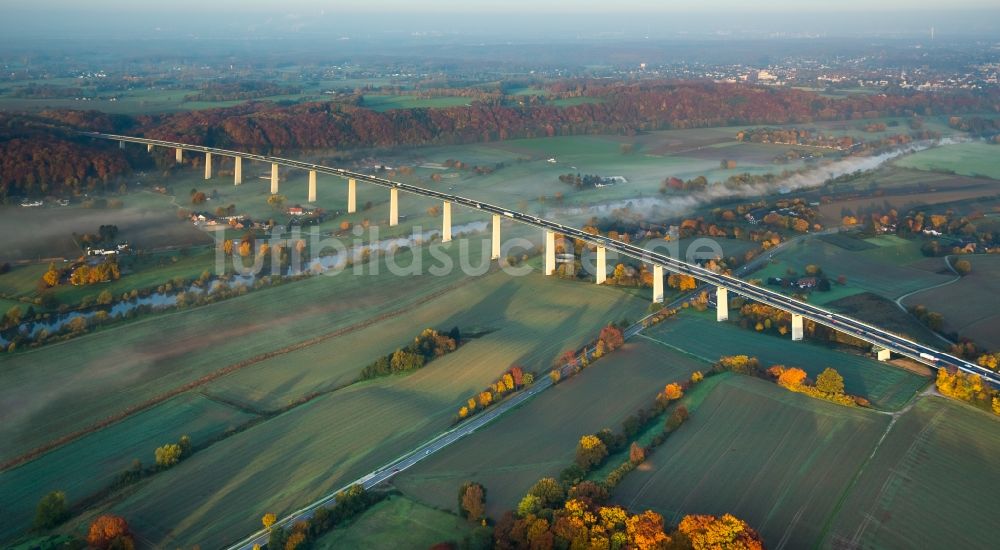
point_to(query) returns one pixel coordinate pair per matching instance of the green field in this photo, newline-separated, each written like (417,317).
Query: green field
(931,484)
(967,159)
(147,220)
(395,523)
(510,311)
(322,445)
(94,462)
(884,268)
(776,459)
(538,439)
(965,303)
(46,395)
(699,334)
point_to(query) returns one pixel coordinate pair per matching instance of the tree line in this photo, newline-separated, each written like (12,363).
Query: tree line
(426,346)
(38,159)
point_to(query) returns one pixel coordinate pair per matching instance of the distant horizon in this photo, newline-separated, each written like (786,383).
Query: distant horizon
(633,20)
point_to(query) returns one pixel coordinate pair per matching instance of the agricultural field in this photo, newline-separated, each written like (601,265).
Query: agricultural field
(138,272)
(931,483)
(892,186)
(398,522)
(978,159)
(333,439)
(138,102)
(44,397)
(888,266)
(538,439)
(964,303)
(90,464)
(501,312)
(147,220)
(777,459)
(886,314)
(699,334)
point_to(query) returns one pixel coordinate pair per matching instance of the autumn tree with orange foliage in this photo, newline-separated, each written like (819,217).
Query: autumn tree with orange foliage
(788,377)
(682,282)
(673,391)
(110,531)
(709,532)
(612,338)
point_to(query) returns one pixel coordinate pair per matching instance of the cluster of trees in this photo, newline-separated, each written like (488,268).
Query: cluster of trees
(682,282)
(428,345)
(793,136)
(968,387)
(610,339)
(829,384)
(82,274)
(587,181)
(348,504)
(105,234)
(512,380)
(962,229)
(933,319)
(103,272)
(988,128)
(549,517)
(765,318)
(170,454)
(989,360)
(106,532)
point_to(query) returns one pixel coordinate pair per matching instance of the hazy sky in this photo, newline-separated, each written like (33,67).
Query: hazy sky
(514,19)
(527,6)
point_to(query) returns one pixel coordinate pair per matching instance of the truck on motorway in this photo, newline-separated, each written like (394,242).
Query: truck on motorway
(928,357)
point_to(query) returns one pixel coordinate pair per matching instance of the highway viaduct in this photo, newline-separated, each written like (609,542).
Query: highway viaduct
(882,340)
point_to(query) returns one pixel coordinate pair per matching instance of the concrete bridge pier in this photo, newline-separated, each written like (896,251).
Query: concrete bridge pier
(352,196)
(881,353)
(721,304)
(446,223)
(495,253)
(550,252)
(179,155)
(312,186)
(238,171)
(121,144)
(602,265)
(796,327)
(274,178)
(149,147)
(658,284)
(208,166)
(393,207)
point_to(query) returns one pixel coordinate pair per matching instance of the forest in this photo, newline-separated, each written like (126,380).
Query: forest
(52,162)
